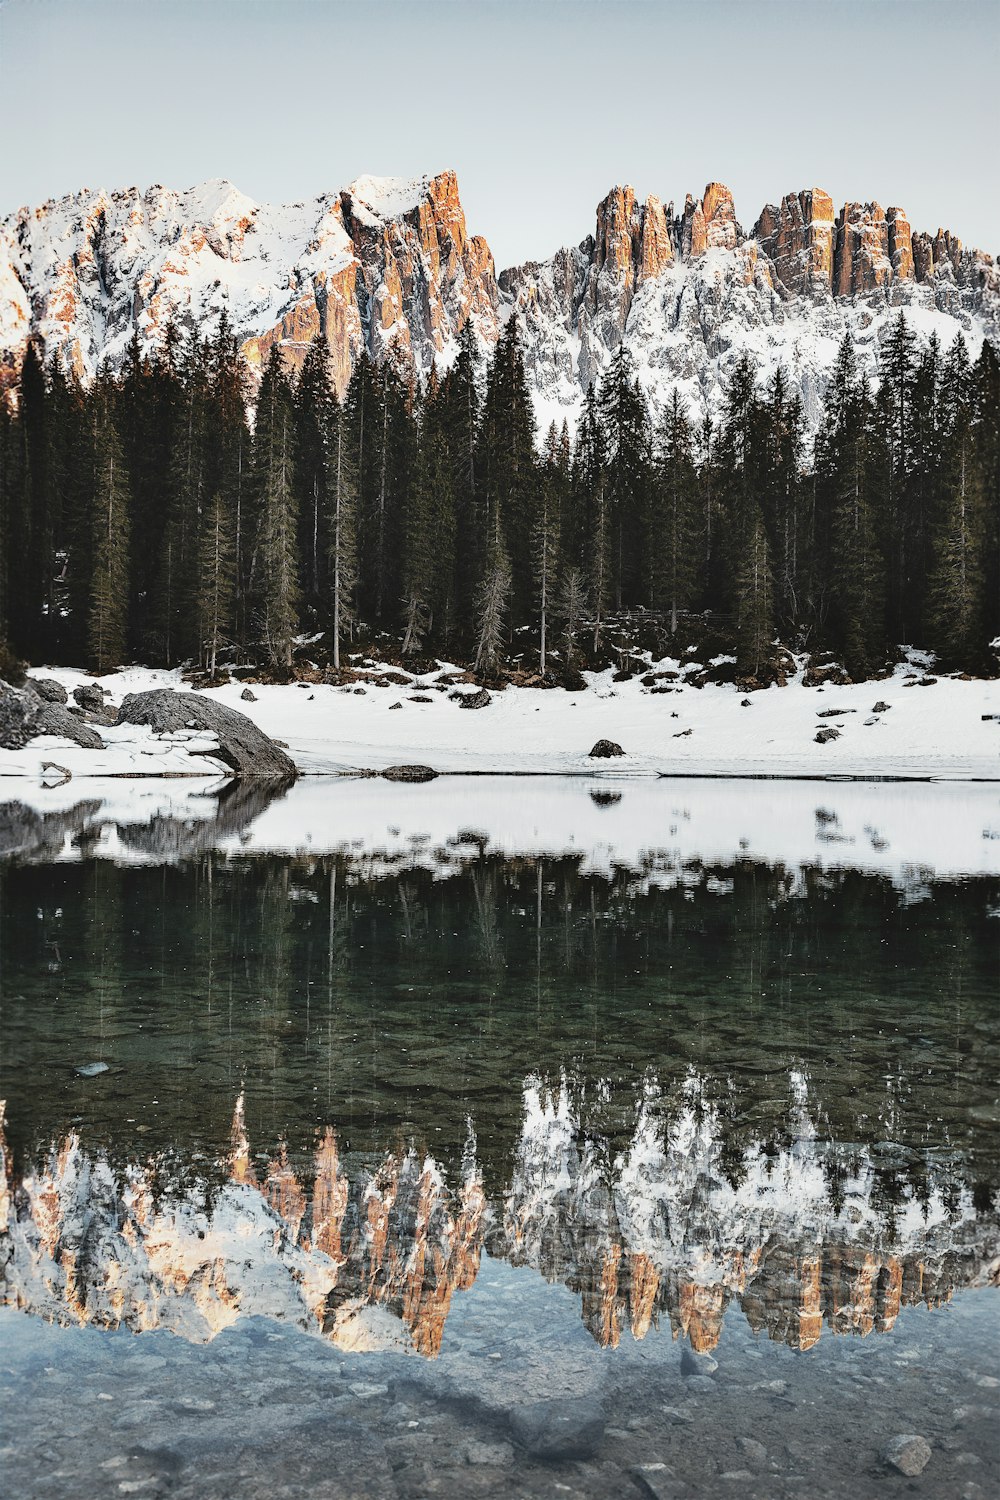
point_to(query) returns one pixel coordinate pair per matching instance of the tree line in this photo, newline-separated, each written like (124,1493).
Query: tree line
(145,516)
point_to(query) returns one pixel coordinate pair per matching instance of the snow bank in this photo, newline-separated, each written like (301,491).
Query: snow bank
(949,729)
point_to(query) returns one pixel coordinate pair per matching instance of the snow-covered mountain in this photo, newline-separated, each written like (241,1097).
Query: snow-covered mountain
(389,262)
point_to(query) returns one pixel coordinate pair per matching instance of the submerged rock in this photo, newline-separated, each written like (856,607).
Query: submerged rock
(242,746)
(909,1453)
(570,1427)
(409,773)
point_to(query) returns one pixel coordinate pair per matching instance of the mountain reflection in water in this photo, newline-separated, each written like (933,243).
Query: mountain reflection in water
(661,1237)
(637,1056)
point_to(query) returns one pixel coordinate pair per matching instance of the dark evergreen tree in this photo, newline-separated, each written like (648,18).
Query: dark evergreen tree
(273,572)
(108,621)
(507,469)
(956,598)
(674,516)
(625,425)
(849,579)
(342,492)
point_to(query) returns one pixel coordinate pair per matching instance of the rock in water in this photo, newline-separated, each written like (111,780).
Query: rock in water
(605,750)
(409,773)
(242,746)
(909,1453)
(567,1428)
(90,1070)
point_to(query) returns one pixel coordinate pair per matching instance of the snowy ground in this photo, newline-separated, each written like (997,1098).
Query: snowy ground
(949,729)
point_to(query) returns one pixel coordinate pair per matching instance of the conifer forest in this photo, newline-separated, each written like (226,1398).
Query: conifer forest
(161,517)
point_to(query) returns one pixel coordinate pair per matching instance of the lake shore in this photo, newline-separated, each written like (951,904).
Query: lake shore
(911,725)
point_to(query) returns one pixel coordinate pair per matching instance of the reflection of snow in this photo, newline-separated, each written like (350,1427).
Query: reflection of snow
(666,833)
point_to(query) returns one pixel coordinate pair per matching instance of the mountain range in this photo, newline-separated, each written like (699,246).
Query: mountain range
(387,265)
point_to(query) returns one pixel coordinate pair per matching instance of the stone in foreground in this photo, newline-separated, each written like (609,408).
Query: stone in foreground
(247,750)
(568,1428)
(910,1454)
(605,750)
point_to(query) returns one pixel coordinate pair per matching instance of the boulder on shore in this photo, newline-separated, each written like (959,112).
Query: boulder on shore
(247,750)
(605,749)
(24,715)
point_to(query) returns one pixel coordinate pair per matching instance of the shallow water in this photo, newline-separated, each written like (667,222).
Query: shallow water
(485,1160)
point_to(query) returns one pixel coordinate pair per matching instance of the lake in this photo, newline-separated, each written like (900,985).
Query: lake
(560,1136)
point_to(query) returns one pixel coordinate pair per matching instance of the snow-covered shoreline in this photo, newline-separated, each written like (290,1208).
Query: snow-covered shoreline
(949,728)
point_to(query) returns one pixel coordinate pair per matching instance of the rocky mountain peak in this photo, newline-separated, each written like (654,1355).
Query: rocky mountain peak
(387,265)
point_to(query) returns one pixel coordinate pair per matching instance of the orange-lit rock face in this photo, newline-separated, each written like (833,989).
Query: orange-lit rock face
(797,236)
(862,261)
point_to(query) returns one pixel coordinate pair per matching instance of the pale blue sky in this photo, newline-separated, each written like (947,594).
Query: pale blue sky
(539,107)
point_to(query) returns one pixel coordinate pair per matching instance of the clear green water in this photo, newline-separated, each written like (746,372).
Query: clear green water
(714,1166)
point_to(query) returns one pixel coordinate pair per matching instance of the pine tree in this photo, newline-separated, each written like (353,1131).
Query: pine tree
(343,545)
(571,606)
(460,404)
(754,601)
(673,551)
(848,584)
(781,495)
(314,404)
(895,420)
(986,381)
(957,612)
(492,604)
(110,520)
(625,425)
(545,535)
(216,581)
(274,568)
(507,468)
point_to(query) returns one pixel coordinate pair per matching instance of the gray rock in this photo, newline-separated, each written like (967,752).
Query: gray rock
(496,1455)
(89,696)
(54,718)
(909,1453)
(605,750)
(248,696)
(242,746)
(881,708)
(823,735)
(17,717)
(48,689)
(834,713)
(568,1428)
(409,773)
(658,1480)
(474,700)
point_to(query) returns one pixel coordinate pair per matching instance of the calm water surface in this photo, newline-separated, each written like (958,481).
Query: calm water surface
(440,1163)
